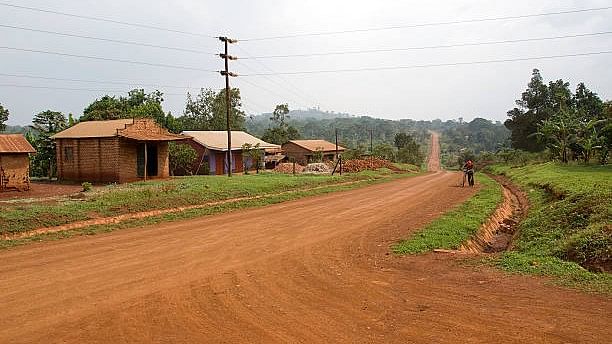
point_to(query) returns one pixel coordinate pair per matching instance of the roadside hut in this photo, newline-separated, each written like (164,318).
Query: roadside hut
(304,151)
(122,150)
(15,162)
(211,147)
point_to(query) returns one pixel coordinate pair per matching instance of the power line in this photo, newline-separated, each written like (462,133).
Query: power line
(407,26)
(287,82)
(103,39)
(77,89)
(430,46)
(263,88)
(93,81)
(99,58)
(435,64)
(278,84)
(145,26)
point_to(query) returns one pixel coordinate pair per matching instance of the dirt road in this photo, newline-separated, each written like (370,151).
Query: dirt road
(316,270)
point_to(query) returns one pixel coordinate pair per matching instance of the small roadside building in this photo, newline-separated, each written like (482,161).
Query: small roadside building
(211,147)
(304,151)
(123,150)
(15,153)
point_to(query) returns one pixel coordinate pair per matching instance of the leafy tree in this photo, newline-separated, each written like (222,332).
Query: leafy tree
(182,158)
(4,115)
(533,109)
(384,151)
(208,112)
(253,154)
(401,140)
(45,124)
(589,140)
(558,133)
(282,132)
(105,108)
(136,105)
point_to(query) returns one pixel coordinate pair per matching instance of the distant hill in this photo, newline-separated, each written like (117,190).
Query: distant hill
(477,135)
(15,129)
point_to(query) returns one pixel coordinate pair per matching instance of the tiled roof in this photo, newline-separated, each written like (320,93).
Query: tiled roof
(15,143)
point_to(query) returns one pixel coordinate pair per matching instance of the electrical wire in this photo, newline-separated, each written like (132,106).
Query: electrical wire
(103,39)
(263,88)
(93,81)
(99,58)
(277,84)
(78,89)
(407,26)
(435,64)
(292,88)
(510,41)
(113,21)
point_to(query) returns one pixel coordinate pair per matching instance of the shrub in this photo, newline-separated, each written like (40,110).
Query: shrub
(86,186)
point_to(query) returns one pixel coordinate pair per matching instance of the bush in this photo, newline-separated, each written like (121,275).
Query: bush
(86,186)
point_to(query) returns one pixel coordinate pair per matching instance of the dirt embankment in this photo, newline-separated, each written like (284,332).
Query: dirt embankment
(499,231)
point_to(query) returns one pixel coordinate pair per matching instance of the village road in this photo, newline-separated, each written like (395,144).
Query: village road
(315,270)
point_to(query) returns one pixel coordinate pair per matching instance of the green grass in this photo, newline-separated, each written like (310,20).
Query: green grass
(457,225)
(568,228)
(177,192)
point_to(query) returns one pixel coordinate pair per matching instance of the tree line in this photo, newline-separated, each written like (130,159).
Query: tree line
(570,125)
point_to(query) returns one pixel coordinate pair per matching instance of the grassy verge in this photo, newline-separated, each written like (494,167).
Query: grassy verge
(276,188)
(457,225)
(567,231)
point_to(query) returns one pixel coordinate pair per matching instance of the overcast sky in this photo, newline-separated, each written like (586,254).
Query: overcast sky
(485,90)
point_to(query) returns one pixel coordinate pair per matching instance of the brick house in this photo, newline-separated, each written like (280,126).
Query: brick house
(15,162)
(211,147)
(302,151)
(122,150)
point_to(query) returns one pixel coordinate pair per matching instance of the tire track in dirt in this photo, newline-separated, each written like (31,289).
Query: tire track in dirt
(315,270)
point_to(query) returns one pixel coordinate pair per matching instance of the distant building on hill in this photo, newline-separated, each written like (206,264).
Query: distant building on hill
(304,151)
(122,150)
(15,162)
(211,147)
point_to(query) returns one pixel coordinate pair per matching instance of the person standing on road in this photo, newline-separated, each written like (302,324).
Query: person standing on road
(468,171)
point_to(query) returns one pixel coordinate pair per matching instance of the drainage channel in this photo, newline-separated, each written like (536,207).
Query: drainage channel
(498,233)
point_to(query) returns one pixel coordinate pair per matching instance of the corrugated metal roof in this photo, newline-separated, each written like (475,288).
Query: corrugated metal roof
(94,129)
(15,143)
(217,140)
(317,145)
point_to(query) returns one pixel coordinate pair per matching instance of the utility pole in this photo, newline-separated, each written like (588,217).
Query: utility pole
(371,132)
(336,143)
(225,56)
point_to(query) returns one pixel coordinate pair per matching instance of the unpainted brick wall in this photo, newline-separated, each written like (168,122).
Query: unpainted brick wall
(16,168)
(93,159)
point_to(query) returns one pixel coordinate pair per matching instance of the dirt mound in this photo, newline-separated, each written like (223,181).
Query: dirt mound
(358,165)
(287,167)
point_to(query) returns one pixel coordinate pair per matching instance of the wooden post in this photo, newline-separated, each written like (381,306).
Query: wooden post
(145,161)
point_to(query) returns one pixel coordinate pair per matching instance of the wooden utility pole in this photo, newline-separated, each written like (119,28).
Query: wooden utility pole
(336,143)
(226,57)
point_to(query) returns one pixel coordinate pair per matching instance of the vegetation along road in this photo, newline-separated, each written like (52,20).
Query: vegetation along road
(314,270)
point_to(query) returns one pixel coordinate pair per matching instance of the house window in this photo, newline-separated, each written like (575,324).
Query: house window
(68,154)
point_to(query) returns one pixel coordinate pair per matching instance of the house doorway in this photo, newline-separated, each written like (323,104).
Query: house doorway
(150,157)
